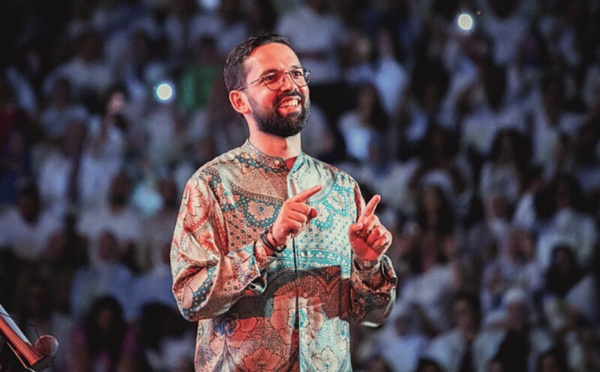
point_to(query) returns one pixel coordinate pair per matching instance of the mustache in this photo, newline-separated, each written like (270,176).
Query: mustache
(289,94)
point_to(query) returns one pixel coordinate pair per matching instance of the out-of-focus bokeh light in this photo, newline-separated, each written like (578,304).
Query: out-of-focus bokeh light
(465,22)
(164,92)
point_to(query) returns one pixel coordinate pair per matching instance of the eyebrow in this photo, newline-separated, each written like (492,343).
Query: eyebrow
(269,71)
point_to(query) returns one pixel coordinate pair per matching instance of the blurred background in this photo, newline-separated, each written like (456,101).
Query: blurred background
(477,121)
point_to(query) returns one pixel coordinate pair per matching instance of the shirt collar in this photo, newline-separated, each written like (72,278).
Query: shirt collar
(273,163)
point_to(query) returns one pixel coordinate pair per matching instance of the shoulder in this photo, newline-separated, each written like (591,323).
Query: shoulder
(224,161)
(329,170)
(449,337)
(9,214)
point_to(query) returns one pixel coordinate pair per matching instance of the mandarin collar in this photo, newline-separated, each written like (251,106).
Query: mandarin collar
(273,163)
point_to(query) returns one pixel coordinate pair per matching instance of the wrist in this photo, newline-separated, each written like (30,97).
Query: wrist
(270,243)
(273,239)
(367,264)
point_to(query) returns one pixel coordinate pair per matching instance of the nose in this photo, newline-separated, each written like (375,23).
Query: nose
(287,83)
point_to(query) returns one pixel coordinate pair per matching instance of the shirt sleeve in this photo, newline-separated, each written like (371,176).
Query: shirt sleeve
(373,291)
(209,276)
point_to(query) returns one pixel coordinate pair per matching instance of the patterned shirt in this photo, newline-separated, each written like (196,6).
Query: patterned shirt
(256,312)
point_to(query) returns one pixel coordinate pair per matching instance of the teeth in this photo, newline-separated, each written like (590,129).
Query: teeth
(290,103)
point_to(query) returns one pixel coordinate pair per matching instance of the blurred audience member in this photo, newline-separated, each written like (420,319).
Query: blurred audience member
(428,365)
(502,171)
(118,217)
(26,226)
(561,208)
(440,163)
(386,176)
(431,284)
(37,312)
(103,275)
(60,110)
(87,70)
(166,338)
(360,125)
(453,349)
(552,360)
(198,76)
(511,336)
(154,284)
(104,341)
(401,343)
(160,224)
(17,136)
(570,294)
(59,177)
(106,149)
(550,119)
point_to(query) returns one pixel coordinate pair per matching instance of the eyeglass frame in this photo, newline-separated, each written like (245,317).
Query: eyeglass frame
(305,73)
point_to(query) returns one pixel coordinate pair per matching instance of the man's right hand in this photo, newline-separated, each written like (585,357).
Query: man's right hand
(294,215)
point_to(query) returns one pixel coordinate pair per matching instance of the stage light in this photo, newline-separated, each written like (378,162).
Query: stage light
(465,22)
(164,92)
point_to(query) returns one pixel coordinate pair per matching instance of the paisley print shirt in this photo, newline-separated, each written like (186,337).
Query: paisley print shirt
(261,313)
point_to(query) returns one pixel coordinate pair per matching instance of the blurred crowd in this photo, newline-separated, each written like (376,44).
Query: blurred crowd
(484,143)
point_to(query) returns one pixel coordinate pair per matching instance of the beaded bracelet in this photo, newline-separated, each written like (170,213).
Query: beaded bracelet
(265,241)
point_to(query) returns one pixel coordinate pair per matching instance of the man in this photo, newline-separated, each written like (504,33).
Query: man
(273,250)
(453,349)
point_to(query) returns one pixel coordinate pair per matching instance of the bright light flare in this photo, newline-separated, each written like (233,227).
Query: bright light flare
(164,92)
(465,22)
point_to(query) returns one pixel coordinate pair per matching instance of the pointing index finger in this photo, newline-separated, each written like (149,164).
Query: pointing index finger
(304,195)
(370,207)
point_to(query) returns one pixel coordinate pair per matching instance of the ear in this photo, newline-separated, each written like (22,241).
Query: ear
(239,102)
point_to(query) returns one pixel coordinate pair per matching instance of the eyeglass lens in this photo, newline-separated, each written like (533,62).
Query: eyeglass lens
(275,80)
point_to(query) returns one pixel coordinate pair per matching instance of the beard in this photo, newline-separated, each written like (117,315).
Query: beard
(272,122)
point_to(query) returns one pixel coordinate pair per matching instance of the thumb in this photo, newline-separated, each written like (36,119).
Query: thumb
(355,229)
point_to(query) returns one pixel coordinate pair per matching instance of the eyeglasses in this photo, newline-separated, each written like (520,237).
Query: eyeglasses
(274,80)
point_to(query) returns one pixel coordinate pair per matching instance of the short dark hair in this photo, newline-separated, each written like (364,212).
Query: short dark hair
(234,72)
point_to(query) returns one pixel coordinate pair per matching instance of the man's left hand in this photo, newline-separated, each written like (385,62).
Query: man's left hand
(369,239)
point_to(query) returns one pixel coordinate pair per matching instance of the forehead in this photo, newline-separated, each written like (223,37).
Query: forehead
(274,56)
(461,305)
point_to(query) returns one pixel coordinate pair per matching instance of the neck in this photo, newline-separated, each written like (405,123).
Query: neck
(116,208)
(286,148)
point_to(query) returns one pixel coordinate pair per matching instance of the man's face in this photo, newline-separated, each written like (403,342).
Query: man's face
(281,112)
(463,314)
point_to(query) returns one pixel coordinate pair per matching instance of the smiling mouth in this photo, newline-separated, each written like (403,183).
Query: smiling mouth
(288,103)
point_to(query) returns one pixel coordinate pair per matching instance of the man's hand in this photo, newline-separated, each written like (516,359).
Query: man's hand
(294,215)
(369,239)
